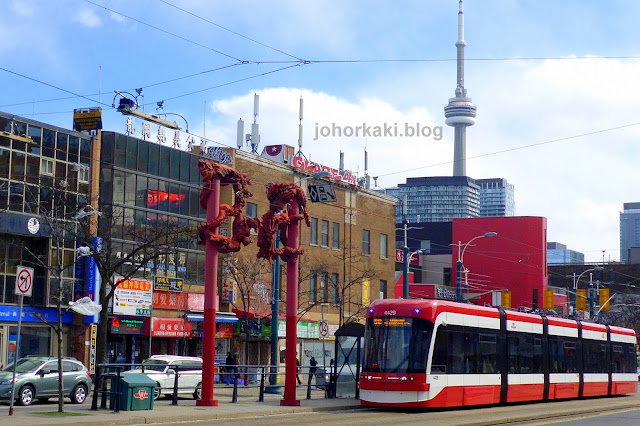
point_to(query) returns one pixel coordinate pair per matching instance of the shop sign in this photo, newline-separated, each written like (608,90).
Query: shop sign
(195,302)
(127,325)
(167,284)
(87,119)
(225,330)
(305,330)
(168,300)
(300,162)
(445,293)
(218,154)
(171,327)
(29,314)
(332,330)
(93,279)
(92,351)
(132,297)
(229,292)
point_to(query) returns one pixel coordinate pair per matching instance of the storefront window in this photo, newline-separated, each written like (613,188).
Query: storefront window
(33,341)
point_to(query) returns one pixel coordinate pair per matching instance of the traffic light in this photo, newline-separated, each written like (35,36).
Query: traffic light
(581,299)
(604,299)
(506,299)
(548,299)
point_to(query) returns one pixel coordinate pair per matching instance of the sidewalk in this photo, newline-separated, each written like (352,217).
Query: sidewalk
(186,410)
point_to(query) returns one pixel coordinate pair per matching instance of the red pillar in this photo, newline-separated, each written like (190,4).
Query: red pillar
(292,312)
(210,302)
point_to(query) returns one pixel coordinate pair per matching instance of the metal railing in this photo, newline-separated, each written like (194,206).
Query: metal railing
(108,377)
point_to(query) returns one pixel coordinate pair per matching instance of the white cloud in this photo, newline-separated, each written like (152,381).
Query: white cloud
(23,8)
(88,18)
(118,18)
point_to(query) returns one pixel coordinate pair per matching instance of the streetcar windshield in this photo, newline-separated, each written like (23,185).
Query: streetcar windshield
(397,345)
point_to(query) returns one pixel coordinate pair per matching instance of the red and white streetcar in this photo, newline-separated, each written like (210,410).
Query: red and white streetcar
(434,353)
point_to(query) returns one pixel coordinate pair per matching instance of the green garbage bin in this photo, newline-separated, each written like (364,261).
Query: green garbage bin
(136,393)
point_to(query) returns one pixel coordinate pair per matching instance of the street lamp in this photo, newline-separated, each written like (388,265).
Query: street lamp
(406,260)
(590,295)
(459,264)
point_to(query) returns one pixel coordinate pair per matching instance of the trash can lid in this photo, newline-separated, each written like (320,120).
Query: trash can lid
(137,380)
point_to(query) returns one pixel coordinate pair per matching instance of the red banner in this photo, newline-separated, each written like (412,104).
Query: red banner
(169,300)
(171,327)
(400,258)
(225,330)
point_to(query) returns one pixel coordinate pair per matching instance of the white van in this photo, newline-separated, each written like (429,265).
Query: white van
(162,369)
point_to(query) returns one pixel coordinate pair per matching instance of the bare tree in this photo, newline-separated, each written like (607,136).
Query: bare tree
(252,296)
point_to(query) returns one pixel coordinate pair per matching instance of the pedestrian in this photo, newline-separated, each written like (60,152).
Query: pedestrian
(312,368)
(298,368)
(231,365)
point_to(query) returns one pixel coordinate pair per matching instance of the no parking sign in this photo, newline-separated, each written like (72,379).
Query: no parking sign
(24,281)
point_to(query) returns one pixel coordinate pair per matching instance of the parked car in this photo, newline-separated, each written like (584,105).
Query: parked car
(162,369)
(37,378)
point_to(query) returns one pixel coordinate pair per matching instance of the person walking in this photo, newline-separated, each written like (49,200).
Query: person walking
(298,368)
(231,365)
(312,368)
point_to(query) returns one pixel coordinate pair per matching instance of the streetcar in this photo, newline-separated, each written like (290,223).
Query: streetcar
(436,353)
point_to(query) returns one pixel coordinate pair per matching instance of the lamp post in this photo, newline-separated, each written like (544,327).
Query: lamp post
(459,264)
(590,295)
(406,260)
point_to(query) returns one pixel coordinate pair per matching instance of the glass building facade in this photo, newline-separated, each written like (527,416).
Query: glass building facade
(44,171)
(496,197)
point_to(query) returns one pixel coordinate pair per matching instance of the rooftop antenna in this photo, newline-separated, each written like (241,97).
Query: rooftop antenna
(367,181)
(240,135)
(255,130)
(341,162)
(300,127)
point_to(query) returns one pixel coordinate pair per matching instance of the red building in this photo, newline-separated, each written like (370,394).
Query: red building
(515,259)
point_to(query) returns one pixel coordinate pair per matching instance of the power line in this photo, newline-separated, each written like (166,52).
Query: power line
(165,31)
(595,132)
(229,30)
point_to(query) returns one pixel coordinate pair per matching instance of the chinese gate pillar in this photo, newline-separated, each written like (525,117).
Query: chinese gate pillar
(210,301)
(292,310)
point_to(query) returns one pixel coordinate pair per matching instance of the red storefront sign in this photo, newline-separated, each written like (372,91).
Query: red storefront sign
(171,327)
(225,331)
(412,260)
(169,300)
(195,302)
(304,164)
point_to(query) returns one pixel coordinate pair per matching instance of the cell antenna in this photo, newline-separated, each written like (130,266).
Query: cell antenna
(240,136)
(255,130)
(300,126)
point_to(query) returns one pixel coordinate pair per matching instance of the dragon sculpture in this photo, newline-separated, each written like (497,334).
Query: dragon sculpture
(279,195)
(242,225)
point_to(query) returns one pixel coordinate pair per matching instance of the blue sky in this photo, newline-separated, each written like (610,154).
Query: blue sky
(579,184)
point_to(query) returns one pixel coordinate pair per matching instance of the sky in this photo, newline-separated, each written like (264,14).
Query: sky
(555,83)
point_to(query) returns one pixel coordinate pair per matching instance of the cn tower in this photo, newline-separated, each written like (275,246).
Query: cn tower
(460,112)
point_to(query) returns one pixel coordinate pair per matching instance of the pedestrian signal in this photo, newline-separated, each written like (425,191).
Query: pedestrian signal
(604,299)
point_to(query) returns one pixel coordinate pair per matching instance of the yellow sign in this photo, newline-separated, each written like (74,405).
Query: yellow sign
(366,292)
(604,299)
(92,352)
(86,119)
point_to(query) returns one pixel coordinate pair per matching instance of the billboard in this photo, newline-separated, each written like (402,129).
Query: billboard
(132,297)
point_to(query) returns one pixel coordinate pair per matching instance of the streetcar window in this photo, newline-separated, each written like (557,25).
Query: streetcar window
(524,352)
(594,354)
(397,345)
(464,350)
(623,358)
(562,354)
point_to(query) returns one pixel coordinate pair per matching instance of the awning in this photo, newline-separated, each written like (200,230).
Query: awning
(220,317)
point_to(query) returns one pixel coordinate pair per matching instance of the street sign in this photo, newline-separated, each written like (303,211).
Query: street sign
(323,327)
(24,281)
(322,194)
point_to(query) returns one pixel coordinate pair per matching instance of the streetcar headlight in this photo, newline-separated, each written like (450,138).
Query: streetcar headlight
(370,310)
(416,310)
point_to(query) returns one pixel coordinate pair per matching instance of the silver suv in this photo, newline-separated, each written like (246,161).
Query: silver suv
(37,378)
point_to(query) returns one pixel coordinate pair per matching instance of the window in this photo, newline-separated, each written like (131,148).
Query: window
(334,288)
(366,238)
(252,210)
(524,353)
(46,167)
(384,243)
(383,288)
(312,287)
(325,233)
(462,350)
(335,242)
(83,174)
(314,231)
